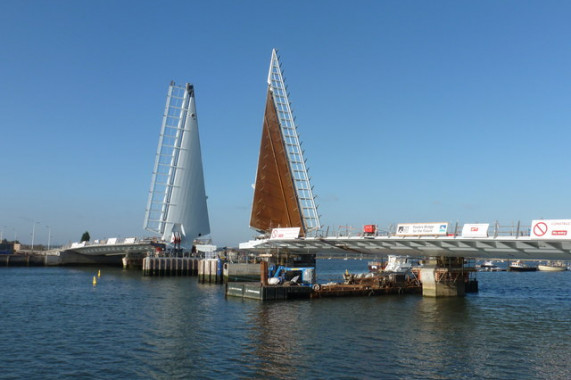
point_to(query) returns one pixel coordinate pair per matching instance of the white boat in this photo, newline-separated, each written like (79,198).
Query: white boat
(552,266)
(489,266)
(399,264)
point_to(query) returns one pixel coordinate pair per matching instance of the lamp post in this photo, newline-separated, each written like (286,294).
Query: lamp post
(49,236)
(34,234)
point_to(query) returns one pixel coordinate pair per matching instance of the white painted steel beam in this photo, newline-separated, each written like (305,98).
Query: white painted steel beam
(487,248)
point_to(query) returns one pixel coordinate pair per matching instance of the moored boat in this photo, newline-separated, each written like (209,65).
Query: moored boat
(489,266)
(519,266)
(552,266)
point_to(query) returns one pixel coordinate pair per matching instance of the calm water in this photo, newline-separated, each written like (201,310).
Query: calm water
(56,324)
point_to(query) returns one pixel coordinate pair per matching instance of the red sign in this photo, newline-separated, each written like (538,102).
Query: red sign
(540,229)
(551,229)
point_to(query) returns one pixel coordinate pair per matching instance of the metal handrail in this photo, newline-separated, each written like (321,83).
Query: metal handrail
(515,229)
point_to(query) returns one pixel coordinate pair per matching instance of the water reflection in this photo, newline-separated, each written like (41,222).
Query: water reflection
(275,338)
(130,326)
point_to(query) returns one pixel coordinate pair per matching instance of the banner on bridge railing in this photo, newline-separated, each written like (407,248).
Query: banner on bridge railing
(551,229)
(475,230)
(421,229)
(285,233)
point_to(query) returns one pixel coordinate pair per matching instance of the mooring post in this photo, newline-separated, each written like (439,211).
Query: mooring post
(264,272)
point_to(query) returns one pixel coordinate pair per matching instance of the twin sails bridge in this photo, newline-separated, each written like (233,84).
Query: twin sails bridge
(284,209)
(285,212)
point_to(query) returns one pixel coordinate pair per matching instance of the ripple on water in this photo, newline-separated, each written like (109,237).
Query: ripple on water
(56,324)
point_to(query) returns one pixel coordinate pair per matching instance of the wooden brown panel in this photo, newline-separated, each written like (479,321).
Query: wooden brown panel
(275,204)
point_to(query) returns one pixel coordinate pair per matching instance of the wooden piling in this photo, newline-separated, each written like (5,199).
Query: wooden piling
(264,272)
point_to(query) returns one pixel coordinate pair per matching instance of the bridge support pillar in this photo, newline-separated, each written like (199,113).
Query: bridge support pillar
(444,277)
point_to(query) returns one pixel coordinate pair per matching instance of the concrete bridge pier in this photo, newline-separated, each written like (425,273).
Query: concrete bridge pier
(445,277)
(133,260)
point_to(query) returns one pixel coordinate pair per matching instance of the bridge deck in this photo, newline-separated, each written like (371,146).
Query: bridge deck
(113,249)
(501,247)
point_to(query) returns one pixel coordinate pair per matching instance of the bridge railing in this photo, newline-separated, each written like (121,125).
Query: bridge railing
(108,241)
(495,229)
(515,229)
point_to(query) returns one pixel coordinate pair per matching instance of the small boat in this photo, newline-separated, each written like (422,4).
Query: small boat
(519,266)
(552,266)
(489,266)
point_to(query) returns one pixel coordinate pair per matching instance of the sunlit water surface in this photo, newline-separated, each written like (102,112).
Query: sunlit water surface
(56,324)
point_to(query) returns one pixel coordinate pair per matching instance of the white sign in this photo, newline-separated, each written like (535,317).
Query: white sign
(206,248)
(551,229)
(478,230)
(417,229)
(285,233)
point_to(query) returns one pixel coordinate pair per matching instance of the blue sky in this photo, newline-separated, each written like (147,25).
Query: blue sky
(409,111)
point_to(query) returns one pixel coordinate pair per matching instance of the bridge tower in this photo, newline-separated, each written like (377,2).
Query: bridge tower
(283,195)
(176,207)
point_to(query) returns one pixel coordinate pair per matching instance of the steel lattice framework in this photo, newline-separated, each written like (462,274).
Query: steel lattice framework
(296,161)
(177,199)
